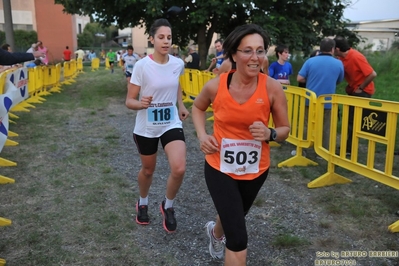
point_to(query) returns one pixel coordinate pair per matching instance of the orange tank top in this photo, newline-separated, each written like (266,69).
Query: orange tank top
(240,156)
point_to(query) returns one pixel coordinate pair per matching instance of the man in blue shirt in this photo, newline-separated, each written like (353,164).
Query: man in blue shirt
(322,73)
(218,59)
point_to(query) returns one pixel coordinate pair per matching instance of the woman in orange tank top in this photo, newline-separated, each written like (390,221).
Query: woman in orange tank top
(237,153)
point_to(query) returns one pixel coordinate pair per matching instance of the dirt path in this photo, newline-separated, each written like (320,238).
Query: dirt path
(284,226)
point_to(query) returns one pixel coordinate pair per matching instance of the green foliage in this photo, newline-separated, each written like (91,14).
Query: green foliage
(23,39)
(2,37)
(395,45)
(85,39)
(298,24)
(94,34)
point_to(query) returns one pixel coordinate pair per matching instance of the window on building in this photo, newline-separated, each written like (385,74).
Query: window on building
(79,28)
(27,27)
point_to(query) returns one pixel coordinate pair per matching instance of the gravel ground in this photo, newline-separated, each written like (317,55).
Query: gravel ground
(284,206)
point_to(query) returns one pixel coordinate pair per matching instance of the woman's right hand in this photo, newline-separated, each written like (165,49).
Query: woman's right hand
(208,144)
(145,101)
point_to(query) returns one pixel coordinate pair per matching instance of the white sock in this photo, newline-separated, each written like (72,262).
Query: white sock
(168,203)
(143,201)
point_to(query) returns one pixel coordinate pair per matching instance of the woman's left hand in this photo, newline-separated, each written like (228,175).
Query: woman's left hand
(259,131)
(183,112)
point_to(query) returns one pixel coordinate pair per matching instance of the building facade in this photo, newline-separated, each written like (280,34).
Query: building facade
(378,34)
(54,28)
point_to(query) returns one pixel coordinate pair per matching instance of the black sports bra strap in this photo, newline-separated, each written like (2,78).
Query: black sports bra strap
(229,77)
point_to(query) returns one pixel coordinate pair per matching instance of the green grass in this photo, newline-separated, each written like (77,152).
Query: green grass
(289,241)
(61,205)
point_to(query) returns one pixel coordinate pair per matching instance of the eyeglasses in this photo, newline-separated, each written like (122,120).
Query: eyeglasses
(249,52)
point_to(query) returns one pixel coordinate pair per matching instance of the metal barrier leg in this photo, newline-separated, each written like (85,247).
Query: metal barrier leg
(328,179)
(6,180)
(394,228)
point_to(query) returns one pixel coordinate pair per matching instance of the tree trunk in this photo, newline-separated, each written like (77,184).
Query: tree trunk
(8,24)
(204,39)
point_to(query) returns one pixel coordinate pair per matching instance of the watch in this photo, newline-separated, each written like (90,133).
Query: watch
(273,134)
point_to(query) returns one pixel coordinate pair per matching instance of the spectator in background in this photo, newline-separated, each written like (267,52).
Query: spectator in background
(92,55)
(44,50)
(192,60)
(118,56)
(67,54)
(281,69)
(111,55)
(80,54)
(218,59)
(32,48)
(6,47)
(313,54)
(7,58)
(358,74)
(35,63)
(321,74)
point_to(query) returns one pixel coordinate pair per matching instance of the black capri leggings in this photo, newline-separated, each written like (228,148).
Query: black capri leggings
(233,199)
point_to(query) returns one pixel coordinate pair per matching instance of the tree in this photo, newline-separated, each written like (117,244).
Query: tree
(302,24)
(299,24)
(23,39)
(94,34)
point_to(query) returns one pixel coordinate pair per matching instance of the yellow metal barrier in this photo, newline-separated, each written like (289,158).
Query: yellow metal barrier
(20,77)
(95,64)
(374,123)
(50,79)
(301,134)
(4,222)
(206,76)
(74,67)
(57,87)
(192,84)
(79,65)
(6,180)
(33,96)
(68,72)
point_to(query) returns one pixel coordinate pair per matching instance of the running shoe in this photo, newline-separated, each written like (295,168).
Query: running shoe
(216,246)
(169,220)
(142,214)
